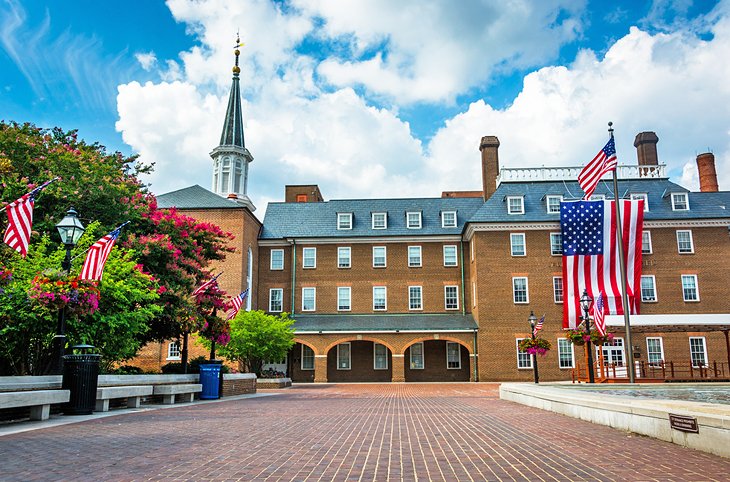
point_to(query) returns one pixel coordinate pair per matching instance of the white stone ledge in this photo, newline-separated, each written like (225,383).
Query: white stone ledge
(644,416)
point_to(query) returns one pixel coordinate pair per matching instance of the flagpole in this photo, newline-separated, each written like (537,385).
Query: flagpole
(624,294)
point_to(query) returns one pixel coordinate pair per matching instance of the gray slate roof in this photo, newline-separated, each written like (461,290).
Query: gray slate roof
(195,197)
(384,322)
(303,220)
(701,205)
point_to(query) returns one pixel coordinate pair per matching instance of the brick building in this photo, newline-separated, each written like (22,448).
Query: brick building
(440,289)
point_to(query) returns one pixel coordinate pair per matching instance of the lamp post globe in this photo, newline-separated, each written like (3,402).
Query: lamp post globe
(532,319)
(70,229)
(585,304)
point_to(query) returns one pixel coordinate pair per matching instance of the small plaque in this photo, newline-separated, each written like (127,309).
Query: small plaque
(683,423)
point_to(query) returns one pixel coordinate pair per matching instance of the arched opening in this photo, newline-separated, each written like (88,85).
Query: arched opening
(437,361)
(359,361)
(300,363)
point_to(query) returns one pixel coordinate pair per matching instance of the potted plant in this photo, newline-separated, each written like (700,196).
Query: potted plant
(534,346)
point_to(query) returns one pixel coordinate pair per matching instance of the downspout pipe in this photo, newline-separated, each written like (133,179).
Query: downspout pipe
(461,264)
(293,274)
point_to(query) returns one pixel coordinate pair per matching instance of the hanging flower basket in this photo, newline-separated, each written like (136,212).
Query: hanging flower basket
(599,340)
(538,346)
(579,337)
(54,291)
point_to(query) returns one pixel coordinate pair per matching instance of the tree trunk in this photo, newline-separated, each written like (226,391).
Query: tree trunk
(184,354)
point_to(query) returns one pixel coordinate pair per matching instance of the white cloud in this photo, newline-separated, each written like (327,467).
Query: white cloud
(672,83)
(147,60)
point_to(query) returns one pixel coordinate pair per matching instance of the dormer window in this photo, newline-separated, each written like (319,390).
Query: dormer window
(344,220)
(413,220)
(641,195)
(553,204)
(448,219)
(380,220)
(680,201)
(515,205)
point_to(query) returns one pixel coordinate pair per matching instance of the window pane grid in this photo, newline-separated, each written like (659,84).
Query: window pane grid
(689,288)
(379,300)
(558,289)
(517,243)
(648,291)
(519,290)
(343,298)
(416,351)
(379,257)
(524,360)
(450,256)
(415,298)
(452,297)
(565,353)
(697,351)
(380,355)
(556,244)
(343,257)
(453,355)
(414,256)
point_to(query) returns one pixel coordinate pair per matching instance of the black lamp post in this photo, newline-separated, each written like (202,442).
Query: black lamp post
(532,319)
(70,229)
(585,304)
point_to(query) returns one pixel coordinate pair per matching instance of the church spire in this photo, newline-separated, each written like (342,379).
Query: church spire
(231,158)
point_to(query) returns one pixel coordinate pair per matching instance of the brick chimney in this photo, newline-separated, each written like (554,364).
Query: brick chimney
(706,169)
(489,146)
(645,144)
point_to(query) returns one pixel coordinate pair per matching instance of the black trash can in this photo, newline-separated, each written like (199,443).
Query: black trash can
(80,377)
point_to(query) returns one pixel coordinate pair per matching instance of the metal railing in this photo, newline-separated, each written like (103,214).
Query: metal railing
(656,371)
(521,174)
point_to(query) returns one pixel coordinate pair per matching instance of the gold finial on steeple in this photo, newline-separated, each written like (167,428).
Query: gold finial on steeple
(236,68)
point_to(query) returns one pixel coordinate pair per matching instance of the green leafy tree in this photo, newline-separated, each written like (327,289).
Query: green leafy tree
(256,337)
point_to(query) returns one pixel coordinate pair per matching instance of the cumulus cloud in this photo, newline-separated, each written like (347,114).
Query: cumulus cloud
(301,131)
(147,60)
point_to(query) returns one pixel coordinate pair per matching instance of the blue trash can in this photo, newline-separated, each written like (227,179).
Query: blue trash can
(209,378)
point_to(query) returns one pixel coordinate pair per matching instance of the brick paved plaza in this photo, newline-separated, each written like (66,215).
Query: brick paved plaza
(350,432)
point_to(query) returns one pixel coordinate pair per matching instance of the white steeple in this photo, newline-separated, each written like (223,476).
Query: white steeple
(231,158)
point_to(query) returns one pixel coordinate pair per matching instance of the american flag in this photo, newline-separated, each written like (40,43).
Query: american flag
(538,325)
(208,284)
(599,315)
(591,258)
(605,161)
(236,302)
(20,220)
(93,268)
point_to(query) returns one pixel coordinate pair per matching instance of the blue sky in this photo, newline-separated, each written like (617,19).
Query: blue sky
(373,98)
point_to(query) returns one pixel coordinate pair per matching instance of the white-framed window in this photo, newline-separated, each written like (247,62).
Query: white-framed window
(690,292)
(379,257)
(556,244)
(448,219)
(450,258)
(648,289)
(597,197)
(566,357)
(524,359)
(417,362)
(379,220)
(380,298)
(173,350)
(309,299)
(249,278)
(415,297)
(515,205)
(641,195)
(343,356)
(307,358)
(344,257)
(344,298)
(413,220)
(453,356)
(685,245)
(646,242)
(613,352)
(277,260)
(558,289)
(380,356)
(309,257)
(519,290)
(654,350)
(698,351)
(451,297)
(553,204)
(680,201)
(414,256)
(344,221)
(276,300)
(517,244)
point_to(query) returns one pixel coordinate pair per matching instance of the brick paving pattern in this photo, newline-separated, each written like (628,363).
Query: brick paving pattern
(351,432)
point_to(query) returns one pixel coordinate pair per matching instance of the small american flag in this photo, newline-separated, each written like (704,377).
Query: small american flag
(605,161)
(599,315)
(20,220)
(97,255)
(538,325)
(208,284)
(236,302)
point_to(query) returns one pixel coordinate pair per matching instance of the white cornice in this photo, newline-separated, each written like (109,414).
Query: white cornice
(687,223)
(454,238)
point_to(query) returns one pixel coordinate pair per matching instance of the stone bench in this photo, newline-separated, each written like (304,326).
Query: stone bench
(168,392)
(39,401)
(133,394)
